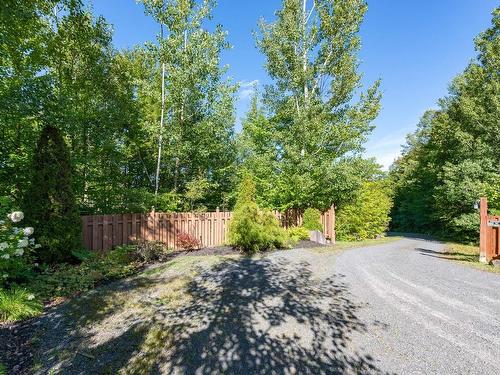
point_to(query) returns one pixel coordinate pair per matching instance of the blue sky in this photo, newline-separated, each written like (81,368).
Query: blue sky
(415,46)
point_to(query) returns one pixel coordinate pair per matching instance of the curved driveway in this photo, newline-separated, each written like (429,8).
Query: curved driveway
(385,309)
(424,315)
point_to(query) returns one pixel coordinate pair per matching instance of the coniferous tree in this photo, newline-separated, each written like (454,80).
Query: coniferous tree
(50,202)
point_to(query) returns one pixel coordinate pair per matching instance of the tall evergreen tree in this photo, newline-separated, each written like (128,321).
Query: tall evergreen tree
(50,203)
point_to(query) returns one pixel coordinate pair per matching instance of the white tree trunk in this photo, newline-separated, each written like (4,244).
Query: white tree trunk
(162,116)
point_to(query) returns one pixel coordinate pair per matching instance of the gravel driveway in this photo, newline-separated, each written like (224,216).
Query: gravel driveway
(437,316)
(391,308)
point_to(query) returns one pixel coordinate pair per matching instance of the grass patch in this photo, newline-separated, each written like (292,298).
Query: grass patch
(346,245)
(17,304)
(468,255)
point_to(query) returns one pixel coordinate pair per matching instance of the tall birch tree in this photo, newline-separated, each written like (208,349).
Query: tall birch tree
(198,138)
(320,119)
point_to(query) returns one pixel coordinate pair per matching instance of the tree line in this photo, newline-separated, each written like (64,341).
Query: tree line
(453,158)
(154,125)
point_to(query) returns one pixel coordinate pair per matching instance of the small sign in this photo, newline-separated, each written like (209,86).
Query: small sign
(494,223)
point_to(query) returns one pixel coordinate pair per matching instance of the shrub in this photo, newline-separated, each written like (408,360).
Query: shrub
(64,280)
(18,304)
(187,241)
(50,203)
(368,215)
(297,234)
(16,248)
(312,219)
(252,229)
(147,251)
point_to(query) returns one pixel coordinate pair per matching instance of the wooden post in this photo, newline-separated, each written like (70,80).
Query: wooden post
(483,232)
(332,212)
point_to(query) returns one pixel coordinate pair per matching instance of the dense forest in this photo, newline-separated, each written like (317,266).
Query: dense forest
(153,126)
(453,157)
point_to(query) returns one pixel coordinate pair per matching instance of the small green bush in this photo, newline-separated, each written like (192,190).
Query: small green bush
(297,234)
(312,219)
(253,229)
(17,304)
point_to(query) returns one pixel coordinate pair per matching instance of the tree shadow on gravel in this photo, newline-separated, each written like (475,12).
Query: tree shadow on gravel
(450,255)
(245,316)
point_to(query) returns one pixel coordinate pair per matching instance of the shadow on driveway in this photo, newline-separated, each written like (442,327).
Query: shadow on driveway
(245,316)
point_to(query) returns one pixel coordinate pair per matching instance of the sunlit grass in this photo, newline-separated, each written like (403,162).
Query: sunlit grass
(346,245)
(18,304)
(468,255)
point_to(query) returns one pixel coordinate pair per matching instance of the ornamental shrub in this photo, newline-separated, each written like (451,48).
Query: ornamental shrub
(253,229)
(367,216)
(50,203)
(148,251)
(297,234)
(187,241)
(16,249)
(17,304)
(312,219)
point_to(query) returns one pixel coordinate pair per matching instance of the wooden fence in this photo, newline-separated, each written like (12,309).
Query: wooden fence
(489,239)
(103,232)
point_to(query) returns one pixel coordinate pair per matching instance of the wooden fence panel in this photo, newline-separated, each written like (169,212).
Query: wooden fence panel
(103,232)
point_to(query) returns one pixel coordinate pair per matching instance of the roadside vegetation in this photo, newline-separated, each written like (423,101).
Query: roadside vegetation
(467,255)
(453,157)
(87,129)
(346,245)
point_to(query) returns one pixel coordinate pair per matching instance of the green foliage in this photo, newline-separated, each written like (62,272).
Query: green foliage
(18,304)
(6,206)
(16,248)
(63,280)
(200,102)
(368,215)
(50,202)
(148,251)
(297,234)
(60,67)
(251,228)
(453,157)
(312,219)
(305,150)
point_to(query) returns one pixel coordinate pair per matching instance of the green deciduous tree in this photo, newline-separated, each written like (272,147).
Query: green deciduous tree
(198,131)
(317,123)
(50,205)
(367,216)
(454,157)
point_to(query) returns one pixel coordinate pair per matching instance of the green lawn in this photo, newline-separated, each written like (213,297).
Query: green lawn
(468,255)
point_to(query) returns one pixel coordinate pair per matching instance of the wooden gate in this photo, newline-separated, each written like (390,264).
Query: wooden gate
(489,239)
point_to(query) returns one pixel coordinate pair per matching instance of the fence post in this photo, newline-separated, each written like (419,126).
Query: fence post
(483,232)
(332,214)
